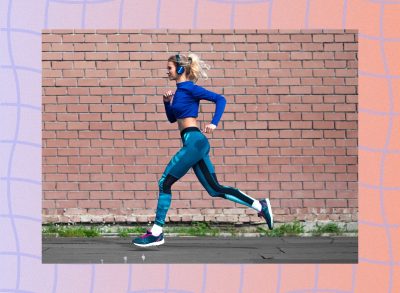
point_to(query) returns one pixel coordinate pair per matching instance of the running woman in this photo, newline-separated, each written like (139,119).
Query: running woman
(183,107)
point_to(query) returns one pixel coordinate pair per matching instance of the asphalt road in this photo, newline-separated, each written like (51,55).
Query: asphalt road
(203,250)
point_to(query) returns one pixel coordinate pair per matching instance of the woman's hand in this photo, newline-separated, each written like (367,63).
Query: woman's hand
(167,96)
(209,128)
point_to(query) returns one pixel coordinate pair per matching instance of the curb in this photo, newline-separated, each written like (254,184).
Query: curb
(222,234)
(309,229)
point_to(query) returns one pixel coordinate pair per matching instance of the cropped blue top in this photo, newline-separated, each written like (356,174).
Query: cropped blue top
(186,102)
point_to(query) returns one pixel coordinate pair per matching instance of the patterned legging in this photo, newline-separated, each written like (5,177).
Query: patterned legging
(194,154)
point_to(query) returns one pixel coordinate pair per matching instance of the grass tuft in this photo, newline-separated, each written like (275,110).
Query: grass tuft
(290,229)
(195,229)
(331,228)
(72,231)
(125,232)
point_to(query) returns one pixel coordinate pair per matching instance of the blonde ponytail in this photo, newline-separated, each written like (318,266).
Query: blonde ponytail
(197,68)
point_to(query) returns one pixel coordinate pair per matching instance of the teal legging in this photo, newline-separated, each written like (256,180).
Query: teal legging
(194,154)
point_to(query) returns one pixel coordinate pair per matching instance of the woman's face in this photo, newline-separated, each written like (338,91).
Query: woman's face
(171,71)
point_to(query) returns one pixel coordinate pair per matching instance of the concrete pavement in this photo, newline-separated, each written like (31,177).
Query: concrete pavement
(203,250)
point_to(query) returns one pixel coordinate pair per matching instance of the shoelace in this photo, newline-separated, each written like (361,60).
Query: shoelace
(145,235)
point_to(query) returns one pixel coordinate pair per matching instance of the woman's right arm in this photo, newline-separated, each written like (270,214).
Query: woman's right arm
(168,108)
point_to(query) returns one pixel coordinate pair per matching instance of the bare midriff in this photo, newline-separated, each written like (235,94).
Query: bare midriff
(186,122)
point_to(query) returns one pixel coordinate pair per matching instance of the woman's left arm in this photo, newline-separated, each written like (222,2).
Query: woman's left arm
(219,100)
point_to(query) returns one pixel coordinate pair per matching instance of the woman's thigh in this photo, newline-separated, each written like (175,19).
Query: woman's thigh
(181,162)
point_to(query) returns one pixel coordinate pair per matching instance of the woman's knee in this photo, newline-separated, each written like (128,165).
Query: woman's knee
(165,183)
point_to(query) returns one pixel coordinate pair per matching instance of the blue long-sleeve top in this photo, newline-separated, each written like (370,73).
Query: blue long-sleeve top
(187,99)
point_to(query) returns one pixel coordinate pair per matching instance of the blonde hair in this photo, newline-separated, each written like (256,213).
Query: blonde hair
(195,68)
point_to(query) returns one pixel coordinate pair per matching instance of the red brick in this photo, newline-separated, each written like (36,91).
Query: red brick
(179,47)
(336,203)
(95,38)
(279,56)
(234,56)
(118,73)
(314,203)
(245,47)
(312,47)
(140,38)
(344,38)
(345,125)
(52,56)
(112,185)
(82,82)
(351,47)
(279,177)
(300,55)
(168,38)
(134,204)
(302,72)
(215,38)
(63,47)
(333,47)
(346,72)
(118,56)
(118,38)
(313,64)
(303,38)
(323,38)
(301,124)
(190,38)
(107,204)
(345,89)
(279,90)
(300,90)
(345,108)
(51,38)
(345,55)
(154,47)
(290,47)
(281,38)
(291,203)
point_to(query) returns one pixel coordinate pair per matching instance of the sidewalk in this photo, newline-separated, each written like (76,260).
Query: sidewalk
(203,250)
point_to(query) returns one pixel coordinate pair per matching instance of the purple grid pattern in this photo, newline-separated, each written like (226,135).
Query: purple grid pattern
(384,153)
(9,64)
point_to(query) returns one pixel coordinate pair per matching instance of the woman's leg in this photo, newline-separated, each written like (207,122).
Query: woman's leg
(205,172)
(179,165)
(195,146)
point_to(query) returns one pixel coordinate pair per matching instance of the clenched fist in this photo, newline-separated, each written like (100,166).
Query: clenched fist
(168,96)
(209,128)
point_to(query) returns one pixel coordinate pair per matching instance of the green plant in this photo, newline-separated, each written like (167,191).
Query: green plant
(288,229)
(195,229)
(72,231)
(232,231)
(51,228)
(125,232)
(331,228)
(262,231)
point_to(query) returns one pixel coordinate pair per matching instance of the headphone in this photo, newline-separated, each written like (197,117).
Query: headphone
(179,69)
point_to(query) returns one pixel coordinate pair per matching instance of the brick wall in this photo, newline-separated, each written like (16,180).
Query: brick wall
(289,130)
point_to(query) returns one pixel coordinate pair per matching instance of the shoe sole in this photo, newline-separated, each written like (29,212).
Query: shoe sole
(270,225)
(150,244)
